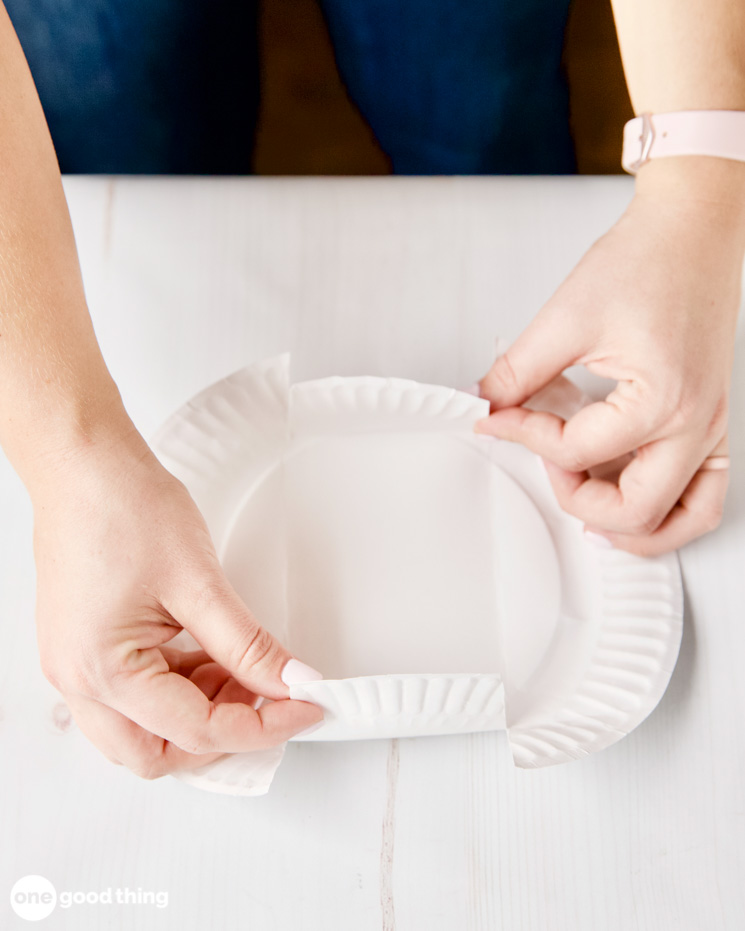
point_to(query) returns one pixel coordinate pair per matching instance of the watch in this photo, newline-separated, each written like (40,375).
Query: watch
(684,132)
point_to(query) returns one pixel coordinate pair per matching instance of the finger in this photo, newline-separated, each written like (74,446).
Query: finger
(543,350)
(184,661)
(174,708)
(212,680)
(599,433)
(698,512)
(214,614)
(646,491)
(149,756)
(560,394)
(207,675)
(125,743)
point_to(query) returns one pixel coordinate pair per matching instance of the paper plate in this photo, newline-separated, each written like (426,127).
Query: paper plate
(427,571)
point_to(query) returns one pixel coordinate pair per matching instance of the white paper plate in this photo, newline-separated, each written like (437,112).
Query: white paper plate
(426,571)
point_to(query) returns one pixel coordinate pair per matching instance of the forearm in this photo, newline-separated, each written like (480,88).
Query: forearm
(683,54)
(688,55)
(55,390)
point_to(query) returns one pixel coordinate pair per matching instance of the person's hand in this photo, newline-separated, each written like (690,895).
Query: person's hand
(652,305)
(124,561)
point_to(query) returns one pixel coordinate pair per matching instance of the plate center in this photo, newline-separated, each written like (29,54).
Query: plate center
(394,553)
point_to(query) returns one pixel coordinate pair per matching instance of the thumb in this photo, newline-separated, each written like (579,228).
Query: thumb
(542,351)
(216,616)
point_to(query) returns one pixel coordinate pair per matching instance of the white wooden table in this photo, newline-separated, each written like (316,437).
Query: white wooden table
(189,280)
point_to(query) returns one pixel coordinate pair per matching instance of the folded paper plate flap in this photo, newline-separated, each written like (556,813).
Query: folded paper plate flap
(380,405)
(405,706)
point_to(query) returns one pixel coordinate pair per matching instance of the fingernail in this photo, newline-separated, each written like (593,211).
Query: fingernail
(598,540)
(295,672)
(311,730)
(474,389)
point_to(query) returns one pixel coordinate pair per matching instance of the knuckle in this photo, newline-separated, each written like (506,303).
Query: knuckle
(683,420)
(79,681)
(150,765)
(503,376)
(644,519)
(50,672)
(651,419)
(717,423)
(710,517)
(116,670)
(197,744)
(572,459)
(256,648)
(66,677)
(681,408)
(672,411)
(200,739)
(672,400)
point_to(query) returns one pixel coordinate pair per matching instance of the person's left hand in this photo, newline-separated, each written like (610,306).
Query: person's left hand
(653,306)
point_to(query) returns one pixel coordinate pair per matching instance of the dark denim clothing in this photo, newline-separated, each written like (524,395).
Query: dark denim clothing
(459,86)
(153,86)
(171,86)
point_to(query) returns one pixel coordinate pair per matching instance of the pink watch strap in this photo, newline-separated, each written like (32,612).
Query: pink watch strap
(686,132)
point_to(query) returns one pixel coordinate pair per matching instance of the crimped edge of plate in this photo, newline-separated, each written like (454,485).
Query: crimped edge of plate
(253,399)
(640,633)
(359,404)
(226,436)
(405,705)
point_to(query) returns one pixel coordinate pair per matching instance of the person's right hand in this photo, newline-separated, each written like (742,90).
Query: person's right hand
(124,562)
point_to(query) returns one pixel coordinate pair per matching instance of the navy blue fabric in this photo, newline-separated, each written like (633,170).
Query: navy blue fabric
(145,86)
(459,86)
(171,86)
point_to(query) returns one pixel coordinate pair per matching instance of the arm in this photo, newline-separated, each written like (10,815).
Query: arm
(124,559)
(652,305)
(55,390)
(687,55)
(682,54)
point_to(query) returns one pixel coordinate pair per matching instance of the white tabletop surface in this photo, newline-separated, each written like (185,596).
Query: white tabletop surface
(189,280)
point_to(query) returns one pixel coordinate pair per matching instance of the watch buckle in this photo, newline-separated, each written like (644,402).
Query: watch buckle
(645,142)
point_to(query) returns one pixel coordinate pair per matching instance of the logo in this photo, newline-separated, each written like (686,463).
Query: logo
(34,897)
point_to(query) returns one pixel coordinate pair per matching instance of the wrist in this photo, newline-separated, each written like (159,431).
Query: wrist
(699,189)
(91,434)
